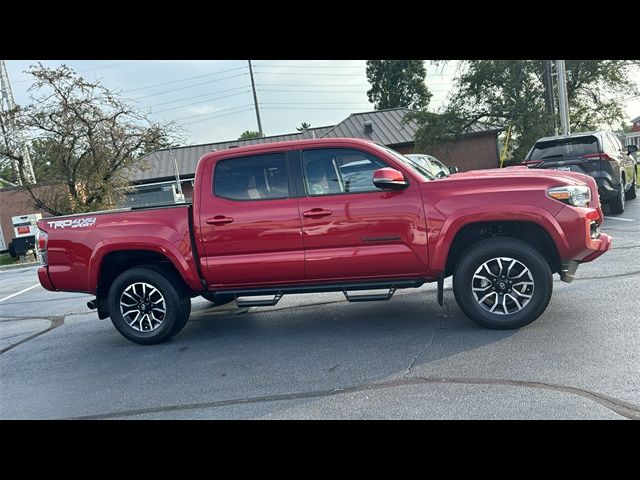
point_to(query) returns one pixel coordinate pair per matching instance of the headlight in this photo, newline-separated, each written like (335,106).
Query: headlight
(576,195)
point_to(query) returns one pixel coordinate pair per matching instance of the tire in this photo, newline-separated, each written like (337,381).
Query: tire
(158,327)
(465,279)
(616,205)
(631,194)
(219,299)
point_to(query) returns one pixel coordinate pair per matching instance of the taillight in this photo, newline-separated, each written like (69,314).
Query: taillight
(42,238)
(597,156)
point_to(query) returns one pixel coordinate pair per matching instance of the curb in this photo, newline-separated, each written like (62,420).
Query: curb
(19,265)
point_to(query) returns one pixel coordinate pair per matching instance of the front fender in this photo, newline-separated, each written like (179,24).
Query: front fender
(453,223)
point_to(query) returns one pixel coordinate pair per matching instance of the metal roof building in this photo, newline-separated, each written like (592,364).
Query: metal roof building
(387,127)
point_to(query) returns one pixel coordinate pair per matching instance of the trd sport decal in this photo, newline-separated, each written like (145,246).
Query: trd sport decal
(75,223)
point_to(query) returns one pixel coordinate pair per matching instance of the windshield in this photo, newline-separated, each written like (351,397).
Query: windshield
(412,164)
(564,148)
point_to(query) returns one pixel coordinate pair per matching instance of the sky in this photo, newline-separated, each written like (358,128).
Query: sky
(212,101)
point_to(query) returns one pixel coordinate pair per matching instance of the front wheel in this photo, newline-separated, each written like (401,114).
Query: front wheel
(502,283)
(146,307)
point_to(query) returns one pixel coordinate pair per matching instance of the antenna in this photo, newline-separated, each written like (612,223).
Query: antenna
(177,174)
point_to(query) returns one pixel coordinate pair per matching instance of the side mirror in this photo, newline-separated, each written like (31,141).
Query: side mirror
(453,169)
(632,149)
(389,179)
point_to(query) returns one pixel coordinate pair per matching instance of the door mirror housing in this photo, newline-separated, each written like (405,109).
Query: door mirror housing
(632,149)
(453,169)
(389,179)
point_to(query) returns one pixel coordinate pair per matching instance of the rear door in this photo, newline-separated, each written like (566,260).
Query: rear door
(353,230)
(249,223)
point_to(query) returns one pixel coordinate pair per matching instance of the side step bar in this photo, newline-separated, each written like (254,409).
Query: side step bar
(381,297)
(391,285)
(260,303)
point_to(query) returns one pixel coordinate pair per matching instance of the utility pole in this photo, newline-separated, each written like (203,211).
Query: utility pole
(562,93)
(548,94)
(255,99)
(12,137)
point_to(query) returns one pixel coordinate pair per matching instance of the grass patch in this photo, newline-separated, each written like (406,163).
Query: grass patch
(6,259)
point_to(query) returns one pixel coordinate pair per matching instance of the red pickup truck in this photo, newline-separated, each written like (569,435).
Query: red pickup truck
(328,215)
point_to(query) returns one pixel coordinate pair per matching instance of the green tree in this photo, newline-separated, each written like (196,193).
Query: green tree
(83,140)
(304,126)
(511,92)
(249,134)
(397,83)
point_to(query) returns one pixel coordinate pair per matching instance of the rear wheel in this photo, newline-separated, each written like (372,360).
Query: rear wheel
(631,194)
(502,283)
(220,298)
(147,305)
(617,204)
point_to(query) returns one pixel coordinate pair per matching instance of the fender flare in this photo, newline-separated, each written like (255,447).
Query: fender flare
(151,244)
(496,213)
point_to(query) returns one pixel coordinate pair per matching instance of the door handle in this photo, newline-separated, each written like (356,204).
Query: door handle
(219,220)
(316,212)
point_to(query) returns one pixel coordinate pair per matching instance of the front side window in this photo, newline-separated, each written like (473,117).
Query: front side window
(332,171)
(259,177)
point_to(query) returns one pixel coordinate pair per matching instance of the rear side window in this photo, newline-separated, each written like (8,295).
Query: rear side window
(564,148)
(259,177)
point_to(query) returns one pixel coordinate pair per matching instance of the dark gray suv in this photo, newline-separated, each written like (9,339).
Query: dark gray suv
(598,154)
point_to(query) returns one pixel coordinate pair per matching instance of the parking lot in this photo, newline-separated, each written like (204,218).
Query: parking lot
(317,356)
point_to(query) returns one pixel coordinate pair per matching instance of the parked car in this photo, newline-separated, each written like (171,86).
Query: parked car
(299,217)
(598,154)
(432,164)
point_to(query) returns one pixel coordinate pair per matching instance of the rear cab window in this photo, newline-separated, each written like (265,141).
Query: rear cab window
(553,150)
(257,177)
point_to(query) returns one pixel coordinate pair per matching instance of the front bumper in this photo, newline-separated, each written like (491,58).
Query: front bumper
(568,267)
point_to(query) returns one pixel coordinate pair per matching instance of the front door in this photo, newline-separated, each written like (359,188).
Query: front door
(353,230)
(250,226)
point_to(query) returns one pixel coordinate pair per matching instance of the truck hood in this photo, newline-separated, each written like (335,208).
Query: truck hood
(562,177)
(505,188)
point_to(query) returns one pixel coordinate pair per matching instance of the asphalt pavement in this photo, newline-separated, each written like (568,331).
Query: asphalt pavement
(318,357)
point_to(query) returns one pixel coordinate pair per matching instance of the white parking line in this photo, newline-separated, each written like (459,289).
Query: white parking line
(21,291)
(620,218)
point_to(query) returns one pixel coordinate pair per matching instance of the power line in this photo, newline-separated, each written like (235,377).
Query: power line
(218,116)
(185,79)
(306,66)
(313,74)
(334,91)
(200,103)
(305,103)
(316,108)
(209,113)
(199,96)
(92,68)
(191,86)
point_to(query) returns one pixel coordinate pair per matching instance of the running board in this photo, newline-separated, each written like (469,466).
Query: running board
(260,303)
(387,284)
(380,297)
